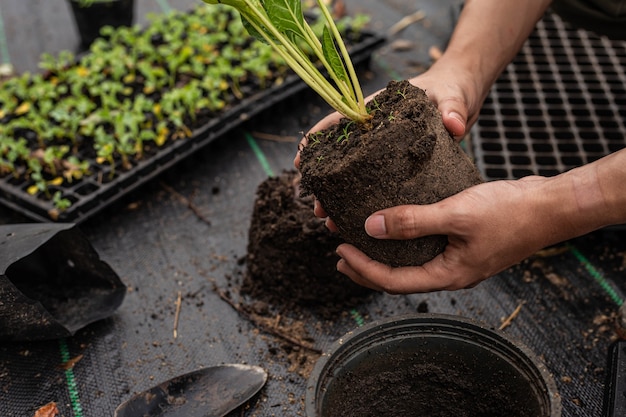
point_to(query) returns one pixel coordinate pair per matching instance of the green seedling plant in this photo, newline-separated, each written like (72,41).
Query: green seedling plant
(281,23)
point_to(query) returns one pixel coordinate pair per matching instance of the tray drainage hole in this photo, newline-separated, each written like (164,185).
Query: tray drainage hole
(490,134)
(519,173)
(614,136)
(520,160)
(487,123)
(539,135)
(542,147)
(510,112)
(530,100)
(589,135)
(494,159)
(571,160)
(533,112)
(514,134)
(588,124)
(564,135)
(614,147)
(560,124)
(605,113)
(549,172)
(568,147)
(512,123)
(606,124)
(557,112)
(593,147)
(496,173)
(517,147)
(491,146)
(546,160)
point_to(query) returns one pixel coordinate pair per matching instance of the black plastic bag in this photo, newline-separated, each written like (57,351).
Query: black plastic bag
(52,282)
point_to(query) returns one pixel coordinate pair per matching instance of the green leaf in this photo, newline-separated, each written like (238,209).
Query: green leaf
(332,55)
(251,30)
(287,17)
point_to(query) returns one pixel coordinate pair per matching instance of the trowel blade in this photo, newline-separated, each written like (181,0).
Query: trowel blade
(208,392)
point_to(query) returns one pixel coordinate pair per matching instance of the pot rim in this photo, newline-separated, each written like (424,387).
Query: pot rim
(429,324)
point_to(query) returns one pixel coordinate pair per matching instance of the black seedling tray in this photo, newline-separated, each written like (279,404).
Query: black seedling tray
(560,104)
(100,189)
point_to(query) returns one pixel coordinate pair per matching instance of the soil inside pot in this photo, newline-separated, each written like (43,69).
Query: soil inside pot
(409,385)
(404,156)
(291,260)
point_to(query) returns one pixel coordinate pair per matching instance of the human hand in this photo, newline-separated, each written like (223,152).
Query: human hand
(490,227)
(457,94)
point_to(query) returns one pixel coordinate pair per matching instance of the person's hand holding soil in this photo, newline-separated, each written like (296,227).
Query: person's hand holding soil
(492,226)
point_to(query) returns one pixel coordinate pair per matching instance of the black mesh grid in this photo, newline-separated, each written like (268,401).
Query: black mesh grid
(561,103)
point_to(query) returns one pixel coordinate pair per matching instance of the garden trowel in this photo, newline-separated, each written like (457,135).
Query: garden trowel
(208,392)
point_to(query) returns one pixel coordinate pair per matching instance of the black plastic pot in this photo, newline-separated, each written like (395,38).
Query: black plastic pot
(430,365)
(90,19)
(52,282)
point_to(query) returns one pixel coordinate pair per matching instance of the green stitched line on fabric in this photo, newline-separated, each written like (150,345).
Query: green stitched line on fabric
(71,381)
(357,317)
(165,6)
(259,155)
(597,275)
(4,48)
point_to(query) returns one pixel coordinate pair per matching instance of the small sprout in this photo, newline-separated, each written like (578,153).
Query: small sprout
(315,138)
(375,105)
(345,133)
(402,93)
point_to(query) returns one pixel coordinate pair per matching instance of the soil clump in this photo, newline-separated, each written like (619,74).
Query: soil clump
(291,259)
(404,156)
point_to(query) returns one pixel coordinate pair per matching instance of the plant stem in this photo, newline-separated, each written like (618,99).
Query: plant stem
(346,57)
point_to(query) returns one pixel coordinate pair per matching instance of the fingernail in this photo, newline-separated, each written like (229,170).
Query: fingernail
(375,225)
(456,116)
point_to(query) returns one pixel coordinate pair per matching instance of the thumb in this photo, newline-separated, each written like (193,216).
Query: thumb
(407,222)
(454,115)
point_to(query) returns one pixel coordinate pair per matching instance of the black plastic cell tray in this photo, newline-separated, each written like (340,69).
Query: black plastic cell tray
(560,104)
(95,192)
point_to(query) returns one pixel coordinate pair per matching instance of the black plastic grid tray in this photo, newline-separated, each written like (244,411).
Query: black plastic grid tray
(560,104)
(95,192)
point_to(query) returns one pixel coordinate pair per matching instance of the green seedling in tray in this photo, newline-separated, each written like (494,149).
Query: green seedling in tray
(281,23)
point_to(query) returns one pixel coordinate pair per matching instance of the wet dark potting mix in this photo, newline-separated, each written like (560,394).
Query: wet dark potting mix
(404,155)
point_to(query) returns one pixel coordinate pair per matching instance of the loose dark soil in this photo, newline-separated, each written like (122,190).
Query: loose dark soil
(405,156)
(410,387)
(291,259)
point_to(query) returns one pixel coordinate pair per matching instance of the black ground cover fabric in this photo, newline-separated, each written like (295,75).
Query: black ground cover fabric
(162,246)
(159,247)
